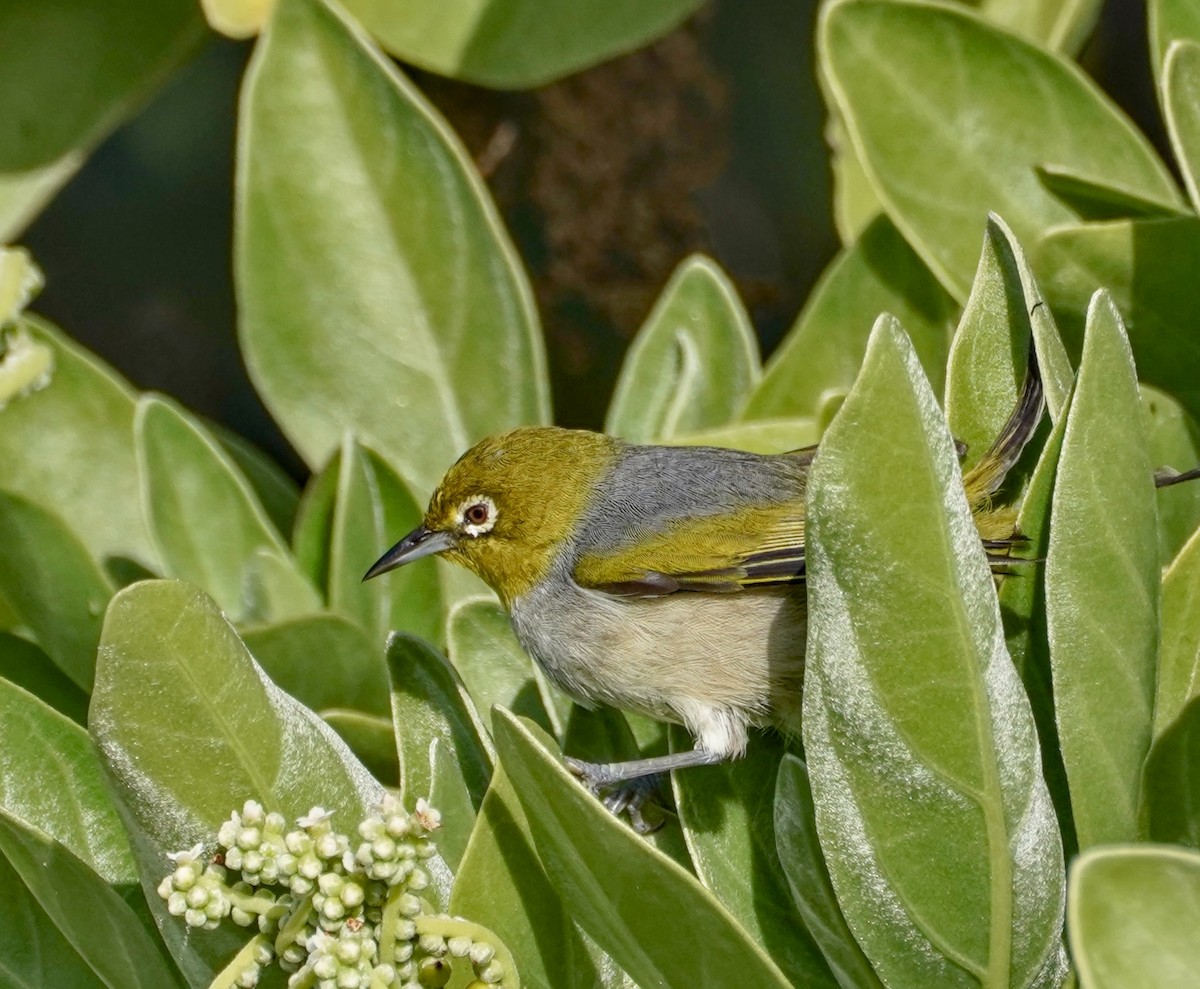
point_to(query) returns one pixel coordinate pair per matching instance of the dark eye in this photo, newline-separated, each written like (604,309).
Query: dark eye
(476,514)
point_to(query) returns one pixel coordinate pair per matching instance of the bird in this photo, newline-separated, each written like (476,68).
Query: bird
(664,580)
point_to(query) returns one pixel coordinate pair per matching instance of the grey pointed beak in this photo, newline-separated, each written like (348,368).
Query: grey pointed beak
(418,543)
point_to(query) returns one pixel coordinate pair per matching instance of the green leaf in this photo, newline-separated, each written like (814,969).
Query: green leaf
(990,354)
(1179,646)
(53,585)
(167,641)
(1060,25)
(82,466)
(728,817)
(820,357)
(430,703)
(1023,607)
(275,490)
(100,925)
(693,362)
(274,589)
(324,661)
(35,952)
(1170,808)
(1146,265)
(371,739)
(449,794)
(190,727)
(49,104)
(942,146)
(372,511)
(1133,915)
(621,889)
(1181,101)
(413,329)
(205,518)
(24,194)
(807,875)
(516,44)
(496,670)
(1173,437)
(501,884)
(1099,199)
(1102,587)
(314,522)
(762,436)
(933,760)
(51,780)
(1170,20)
(24,664)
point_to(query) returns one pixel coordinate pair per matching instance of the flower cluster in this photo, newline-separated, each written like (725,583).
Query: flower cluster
(332,912)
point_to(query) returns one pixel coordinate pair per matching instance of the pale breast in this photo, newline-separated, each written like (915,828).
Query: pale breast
(685,657)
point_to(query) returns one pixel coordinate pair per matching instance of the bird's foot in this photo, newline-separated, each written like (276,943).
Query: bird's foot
(624,796)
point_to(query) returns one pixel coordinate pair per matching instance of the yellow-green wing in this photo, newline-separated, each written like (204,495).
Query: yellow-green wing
(757,547)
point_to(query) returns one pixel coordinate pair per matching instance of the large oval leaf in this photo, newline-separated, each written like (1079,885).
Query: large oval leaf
(728,818)
(1170,808)
(93,916)
(516,43)
(373,510)
(206,521)
(50,104)
(804,866)
(1102,584)
(190,727)
(819,358)
(54,587)
(82,465)
(931,807)
(1179,648)
(620,889)
(50,779)
(693,362)
(1147,265)
(943,145)
(1134,913)
(379,294)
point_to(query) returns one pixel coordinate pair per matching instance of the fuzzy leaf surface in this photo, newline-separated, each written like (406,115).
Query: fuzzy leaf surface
(950,116)
(53,585)
(620,888)
(693,362)
(819,359)
(516,44)
(931,807)
(82,466)
(1133,916)
(1102,586)
(379,294)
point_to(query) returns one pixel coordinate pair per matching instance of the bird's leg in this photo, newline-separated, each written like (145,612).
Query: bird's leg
(636,781)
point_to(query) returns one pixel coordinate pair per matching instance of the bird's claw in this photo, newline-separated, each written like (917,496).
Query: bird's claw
(629,797)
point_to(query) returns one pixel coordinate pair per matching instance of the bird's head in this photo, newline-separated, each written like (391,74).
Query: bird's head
(509,505)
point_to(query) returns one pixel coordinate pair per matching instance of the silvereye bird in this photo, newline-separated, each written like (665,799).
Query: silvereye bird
(663,580)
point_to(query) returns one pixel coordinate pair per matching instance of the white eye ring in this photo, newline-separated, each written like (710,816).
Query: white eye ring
(474,529)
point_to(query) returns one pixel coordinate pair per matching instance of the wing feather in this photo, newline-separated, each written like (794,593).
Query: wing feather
(756,548)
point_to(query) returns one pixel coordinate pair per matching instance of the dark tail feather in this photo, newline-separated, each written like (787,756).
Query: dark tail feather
(984,479)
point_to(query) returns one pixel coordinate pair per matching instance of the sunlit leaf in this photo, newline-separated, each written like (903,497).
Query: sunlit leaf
(692,364)
(1102,586)
(942,145)
(411,328)
(935,759)
(1133,916)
